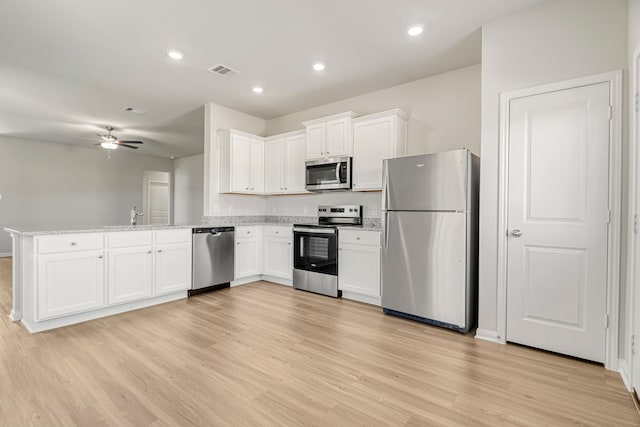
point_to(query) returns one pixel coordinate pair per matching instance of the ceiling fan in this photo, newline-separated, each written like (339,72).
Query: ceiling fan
(110,142)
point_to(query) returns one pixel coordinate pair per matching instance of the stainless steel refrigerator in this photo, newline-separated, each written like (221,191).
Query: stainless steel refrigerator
(430,238)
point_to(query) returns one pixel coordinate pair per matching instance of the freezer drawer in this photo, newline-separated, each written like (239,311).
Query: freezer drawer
(424,265)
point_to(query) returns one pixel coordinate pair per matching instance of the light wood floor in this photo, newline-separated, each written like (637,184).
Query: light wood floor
(264,354)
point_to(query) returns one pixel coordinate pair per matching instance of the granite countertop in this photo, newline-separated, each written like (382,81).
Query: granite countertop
(70,229)
(370,224)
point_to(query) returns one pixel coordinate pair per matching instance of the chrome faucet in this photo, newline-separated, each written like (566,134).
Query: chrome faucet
(135,213)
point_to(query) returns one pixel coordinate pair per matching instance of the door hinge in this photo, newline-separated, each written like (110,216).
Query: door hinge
(637,102)
(610,112)
(608,216)
(633,344)
(606,321)
(635,223)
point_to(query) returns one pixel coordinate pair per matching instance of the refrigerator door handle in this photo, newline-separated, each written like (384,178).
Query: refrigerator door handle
(385,184)
(385,232)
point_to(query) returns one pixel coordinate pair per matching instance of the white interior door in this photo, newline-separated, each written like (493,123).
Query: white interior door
(158,203)
(557,220)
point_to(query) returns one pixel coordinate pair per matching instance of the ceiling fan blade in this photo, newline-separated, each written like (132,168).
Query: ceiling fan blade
(131,142)
(128,146)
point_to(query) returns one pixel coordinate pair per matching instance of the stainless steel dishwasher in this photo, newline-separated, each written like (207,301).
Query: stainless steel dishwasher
(213,260)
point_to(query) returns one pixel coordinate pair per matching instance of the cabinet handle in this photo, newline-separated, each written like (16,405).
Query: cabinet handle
(100,257)
(251,188)
(339,249)
(289,243)
(357,238)
(159,250)
(74,243)
(277,232)
(238,243)
(247,188)
(149,252)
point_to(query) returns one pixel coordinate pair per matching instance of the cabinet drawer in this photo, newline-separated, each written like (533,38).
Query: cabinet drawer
(70,243)
(277,231)
(359,237)
(247,231)
(126,239)
(182,235)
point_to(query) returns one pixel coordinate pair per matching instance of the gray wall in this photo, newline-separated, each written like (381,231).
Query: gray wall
(47,184)
(188,189)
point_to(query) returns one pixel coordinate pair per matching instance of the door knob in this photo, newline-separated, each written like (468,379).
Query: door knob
(516,233)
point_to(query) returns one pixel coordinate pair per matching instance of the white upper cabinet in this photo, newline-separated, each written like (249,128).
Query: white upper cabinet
(329,136)
(274,165)
(284,163)
(376,137)
(241,162)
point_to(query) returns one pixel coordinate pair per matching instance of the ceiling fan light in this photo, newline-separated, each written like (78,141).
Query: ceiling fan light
(109,145)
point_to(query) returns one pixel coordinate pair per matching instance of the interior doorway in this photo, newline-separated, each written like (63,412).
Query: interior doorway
(156,196)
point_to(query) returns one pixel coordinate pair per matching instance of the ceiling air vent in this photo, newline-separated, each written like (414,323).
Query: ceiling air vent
(222,70)
(135,110)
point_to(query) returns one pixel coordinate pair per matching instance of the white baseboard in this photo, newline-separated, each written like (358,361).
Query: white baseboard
(623,369)
(487,335)
(5,254)
(15,316)
(277,280)
(96,314)
(361,298)
(245,280)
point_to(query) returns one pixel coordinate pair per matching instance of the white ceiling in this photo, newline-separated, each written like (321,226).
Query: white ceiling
(69,67)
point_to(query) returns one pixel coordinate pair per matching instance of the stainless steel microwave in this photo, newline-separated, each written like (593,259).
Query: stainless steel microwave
(329,174)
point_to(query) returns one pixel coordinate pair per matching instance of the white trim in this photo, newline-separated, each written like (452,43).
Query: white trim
(45,325)
(633,292)
(623,369)
(614,79)
(361,298)
(277,280)
(5,254)
(246,280)
(487,335)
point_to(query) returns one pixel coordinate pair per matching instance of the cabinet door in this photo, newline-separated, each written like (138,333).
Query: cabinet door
(130,275)
(295,171)
(69,283)
(278,257)
(247,257)
(338,141)
(173,268)
(240,163)
(353,277)
(372,142)
(274,166)
(257,166)
(315,141)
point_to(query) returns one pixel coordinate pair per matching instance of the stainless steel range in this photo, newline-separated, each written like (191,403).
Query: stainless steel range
(315,249)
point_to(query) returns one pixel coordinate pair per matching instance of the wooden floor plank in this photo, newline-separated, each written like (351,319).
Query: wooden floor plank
(265,354)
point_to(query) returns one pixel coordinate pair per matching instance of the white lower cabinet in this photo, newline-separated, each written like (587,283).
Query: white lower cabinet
(173,268)
(130,274)
(278,252)
(248,254)
(72,277)
(69,282)
(359,265)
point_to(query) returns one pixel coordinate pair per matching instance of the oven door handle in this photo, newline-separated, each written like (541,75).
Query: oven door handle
(314,230)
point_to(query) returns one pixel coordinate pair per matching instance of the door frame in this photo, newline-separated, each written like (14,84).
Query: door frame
(614,79)
(149,177)
(633,284)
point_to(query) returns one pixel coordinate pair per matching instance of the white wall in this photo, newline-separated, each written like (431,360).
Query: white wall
(188,187)
(444,110)
(555,41)
(47,184)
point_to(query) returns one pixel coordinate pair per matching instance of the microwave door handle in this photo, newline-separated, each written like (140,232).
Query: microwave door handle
(338,173)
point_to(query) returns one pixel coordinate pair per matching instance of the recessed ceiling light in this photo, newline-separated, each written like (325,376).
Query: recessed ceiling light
(319,66)
(257,89)
(175,54)
(415,30)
